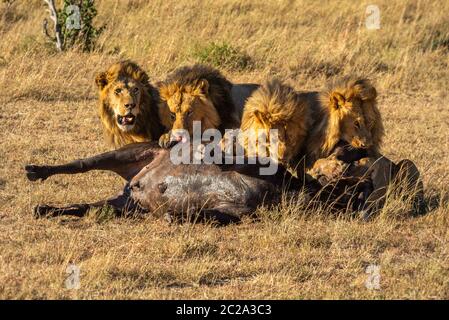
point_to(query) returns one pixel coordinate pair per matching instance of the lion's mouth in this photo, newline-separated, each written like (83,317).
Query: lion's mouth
(126,120)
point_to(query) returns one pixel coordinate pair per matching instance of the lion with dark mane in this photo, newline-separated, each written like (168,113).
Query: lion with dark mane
(127,104)
(196,93)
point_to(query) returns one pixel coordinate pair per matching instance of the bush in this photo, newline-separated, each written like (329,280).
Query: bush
(75,23)
(222,55)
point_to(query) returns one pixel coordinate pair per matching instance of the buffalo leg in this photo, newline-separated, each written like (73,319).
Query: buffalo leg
(404,176)
(407,176)
(218,216)
(225,213)
(126,162)
(121,204)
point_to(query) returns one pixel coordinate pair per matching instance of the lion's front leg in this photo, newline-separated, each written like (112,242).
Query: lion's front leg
(169,139)
(165,140)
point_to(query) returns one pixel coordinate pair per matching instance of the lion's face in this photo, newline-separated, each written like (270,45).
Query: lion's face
(122,88)
(125,102)
(354,128)
(279,140)
(181,107)
(276,111)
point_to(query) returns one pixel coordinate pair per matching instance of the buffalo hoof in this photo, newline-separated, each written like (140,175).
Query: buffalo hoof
(42,211)
(35,173)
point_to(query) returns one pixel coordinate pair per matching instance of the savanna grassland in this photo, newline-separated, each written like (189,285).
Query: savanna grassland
(48,115)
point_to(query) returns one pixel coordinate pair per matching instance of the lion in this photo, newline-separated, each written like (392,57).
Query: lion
(347,118)
(275,106)
(346,111)
(127,104)
(195,93)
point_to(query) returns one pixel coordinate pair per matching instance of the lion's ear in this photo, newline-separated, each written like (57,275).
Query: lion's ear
(365,90)
(101,80)
(203,85)
(369,93)
(163,91)
(261,117)
(337,100)
(142,77)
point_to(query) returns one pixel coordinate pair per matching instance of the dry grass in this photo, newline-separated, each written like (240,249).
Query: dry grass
(48,113)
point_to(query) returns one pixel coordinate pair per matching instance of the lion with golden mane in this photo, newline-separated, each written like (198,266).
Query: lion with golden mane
(350,119)
(275,106)
(195,93)
(346,111)
(127,104)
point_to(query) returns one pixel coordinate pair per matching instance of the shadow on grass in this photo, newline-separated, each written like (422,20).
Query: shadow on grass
(435,200)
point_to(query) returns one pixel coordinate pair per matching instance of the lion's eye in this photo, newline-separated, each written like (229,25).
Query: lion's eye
(172,115)
(117,91)
(189,113)
(135,89)
(357,124)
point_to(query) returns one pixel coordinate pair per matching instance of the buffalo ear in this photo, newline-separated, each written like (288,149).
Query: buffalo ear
(203,85)
(101,80)
(337,100)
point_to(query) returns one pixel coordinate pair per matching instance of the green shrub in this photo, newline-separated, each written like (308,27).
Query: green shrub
(87,34)
(222,55)
(77,31)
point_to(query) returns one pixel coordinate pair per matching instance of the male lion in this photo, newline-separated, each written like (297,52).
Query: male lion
(195,93)
(275,106)
(348,117)
(127,104)
(346,111)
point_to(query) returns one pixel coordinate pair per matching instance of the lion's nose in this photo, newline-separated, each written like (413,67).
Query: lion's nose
(362,145)
(130,106)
